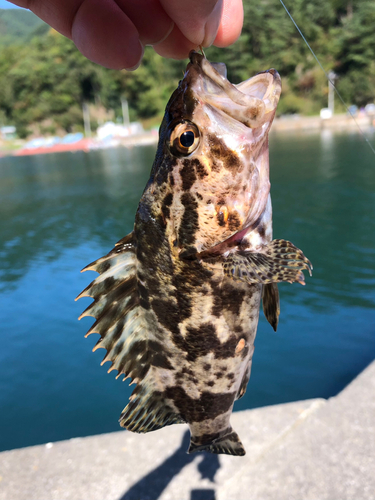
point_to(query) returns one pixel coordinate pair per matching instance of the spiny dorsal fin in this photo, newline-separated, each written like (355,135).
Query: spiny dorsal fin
(147,411)
(229,444)
(103,264)
(271,304)
(278,261)
(120,319)
(126,332)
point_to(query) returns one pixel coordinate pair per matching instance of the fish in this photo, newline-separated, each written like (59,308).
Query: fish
(177,300)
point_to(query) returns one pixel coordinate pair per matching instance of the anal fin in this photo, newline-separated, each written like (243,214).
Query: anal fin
(278,261)
(229,444)
(271,304)
(148,411)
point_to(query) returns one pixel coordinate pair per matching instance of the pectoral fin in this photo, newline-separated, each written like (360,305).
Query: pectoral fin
(271,304)
(278,261)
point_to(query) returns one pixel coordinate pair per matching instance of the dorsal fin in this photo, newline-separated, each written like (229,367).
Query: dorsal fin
(126,332)
(120,320)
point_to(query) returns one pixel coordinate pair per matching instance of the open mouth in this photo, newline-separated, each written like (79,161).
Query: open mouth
(252,102)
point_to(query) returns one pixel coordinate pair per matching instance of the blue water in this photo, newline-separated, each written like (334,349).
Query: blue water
(60,212)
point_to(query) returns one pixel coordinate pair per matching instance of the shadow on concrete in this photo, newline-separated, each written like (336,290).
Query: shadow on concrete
(151,486)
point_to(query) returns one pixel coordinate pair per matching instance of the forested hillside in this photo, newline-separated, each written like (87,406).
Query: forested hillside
(45,81)
(19,26)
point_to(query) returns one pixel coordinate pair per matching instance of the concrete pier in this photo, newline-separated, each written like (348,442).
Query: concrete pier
(308,450)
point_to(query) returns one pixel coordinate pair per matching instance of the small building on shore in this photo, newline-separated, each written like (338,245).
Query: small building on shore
(8,132)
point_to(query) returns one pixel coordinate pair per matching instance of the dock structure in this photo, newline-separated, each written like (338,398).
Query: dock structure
(307,450)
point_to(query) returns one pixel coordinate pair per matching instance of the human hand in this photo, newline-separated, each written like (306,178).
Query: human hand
(113,33)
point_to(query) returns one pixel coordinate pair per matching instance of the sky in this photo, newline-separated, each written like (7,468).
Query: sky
(7,5)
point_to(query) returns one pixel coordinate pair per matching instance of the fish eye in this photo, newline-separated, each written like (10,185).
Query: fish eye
(184,138)
(187,139)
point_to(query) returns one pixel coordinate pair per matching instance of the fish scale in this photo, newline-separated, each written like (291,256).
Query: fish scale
(177,301)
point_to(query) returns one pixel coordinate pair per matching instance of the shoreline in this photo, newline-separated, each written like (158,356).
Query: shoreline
(341,122)
(293,124)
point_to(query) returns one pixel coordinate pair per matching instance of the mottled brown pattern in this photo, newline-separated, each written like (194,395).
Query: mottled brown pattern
(234,222)
(227,297)
(167,202)
(200,341)
(187,174)
(190,220)
(177,301)
(221,152)
(207,407)
(220,218)
(190,102)
(199,168)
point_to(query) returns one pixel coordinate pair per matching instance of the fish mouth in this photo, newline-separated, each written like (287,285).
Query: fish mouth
(252,102)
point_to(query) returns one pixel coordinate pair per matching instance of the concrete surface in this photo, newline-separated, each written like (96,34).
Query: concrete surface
(313,449)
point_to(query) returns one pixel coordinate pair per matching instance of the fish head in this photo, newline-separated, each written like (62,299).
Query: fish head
(214,148)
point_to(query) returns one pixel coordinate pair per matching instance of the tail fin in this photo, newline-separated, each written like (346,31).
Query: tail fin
(229,444)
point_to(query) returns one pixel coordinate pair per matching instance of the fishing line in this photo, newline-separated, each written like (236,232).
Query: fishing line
(328,78)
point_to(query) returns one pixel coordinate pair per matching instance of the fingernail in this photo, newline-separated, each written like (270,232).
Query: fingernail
(212,25)
(164,37)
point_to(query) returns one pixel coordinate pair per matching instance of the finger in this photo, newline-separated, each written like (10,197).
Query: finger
(105,35)
(231,23)
(150,19)
(212,24)
(178,46)
(175,46)
(197,20)
(58,14)
(99,28)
